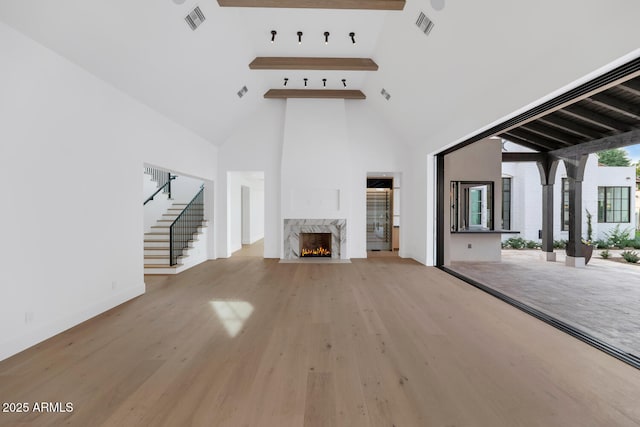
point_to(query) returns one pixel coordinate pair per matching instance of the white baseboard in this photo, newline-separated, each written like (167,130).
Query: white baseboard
(51,328)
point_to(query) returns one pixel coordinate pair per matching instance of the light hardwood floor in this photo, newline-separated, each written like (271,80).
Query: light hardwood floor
(379,342)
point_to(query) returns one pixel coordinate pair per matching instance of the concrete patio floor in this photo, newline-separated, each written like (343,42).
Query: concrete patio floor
(602,299)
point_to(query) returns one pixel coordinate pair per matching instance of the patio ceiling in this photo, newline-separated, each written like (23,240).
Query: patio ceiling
(601,114)
(606,114)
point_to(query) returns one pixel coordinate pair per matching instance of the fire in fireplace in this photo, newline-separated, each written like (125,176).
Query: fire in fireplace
(315,245)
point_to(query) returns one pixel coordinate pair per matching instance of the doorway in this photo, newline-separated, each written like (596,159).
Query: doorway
(245,213)
(379,213)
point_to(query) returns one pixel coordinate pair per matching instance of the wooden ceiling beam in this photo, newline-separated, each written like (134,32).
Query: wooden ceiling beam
(318,4)
(516,157)
(314,93)
(535,139)
(302,63)
(617,105)
(527,144)
(551,133)
(596,118)
(606,143)
(570,126)
(632,86)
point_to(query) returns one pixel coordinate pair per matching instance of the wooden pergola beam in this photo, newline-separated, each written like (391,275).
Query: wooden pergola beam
(617,105)
(302,63)
(318,4)
(570,126)
(510,137)
(551,133)
(314,93)
(606,143)
(536,139)
(509,157)
(595,118)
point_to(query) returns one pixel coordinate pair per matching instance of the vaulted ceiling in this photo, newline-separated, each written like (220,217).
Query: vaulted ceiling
(481,61)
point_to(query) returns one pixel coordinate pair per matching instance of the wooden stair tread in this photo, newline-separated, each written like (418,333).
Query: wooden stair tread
(162,266)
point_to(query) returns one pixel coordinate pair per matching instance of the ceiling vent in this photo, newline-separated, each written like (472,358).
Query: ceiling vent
(195,18)
(424,23)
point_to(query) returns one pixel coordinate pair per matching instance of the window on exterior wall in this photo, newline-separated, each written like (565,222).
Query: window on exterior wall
(564,212)
(506,203)
(614,204)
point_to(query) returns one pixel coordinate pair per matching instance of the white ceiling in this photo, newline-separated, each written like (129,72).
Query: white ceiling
(482,60)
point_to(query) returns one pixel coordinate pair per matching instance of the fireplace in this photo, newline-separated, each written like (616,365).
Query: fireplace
(315,245)
(294,228)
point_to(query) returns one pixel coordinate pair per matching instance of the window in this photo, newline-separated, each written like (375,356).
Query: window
(564,212)
(613,204)
(471,206)
(506,203)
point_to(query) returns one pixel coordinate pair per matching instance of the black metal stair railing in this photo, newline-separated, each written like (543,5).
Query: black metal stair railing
(162,179)
(185,225)
(164,187)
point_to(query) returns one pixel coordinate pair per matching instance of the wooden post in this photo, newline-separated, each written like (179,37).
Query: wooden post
(575,173)
(547,167)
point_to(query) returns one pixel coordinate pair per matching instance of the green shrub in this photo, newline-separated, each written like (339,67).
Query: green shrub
(532,244)
(515,243)
(630,256)
(635,244)
(605,254)
(559,244)
(618,238)
(601,244)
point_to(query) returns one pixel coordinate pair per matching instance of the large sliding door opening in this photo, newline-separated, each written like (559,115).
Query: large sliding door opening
(564,177)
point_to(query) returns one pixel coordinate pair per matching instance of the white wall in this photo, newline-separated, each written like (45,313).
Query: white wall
(254,148)
(73,149)
(375,145)
(480,161)
(526,196)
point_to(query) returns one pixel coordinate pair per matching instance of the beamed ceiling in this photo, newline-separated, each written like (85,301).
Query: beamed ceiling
(609,114)
(480,62)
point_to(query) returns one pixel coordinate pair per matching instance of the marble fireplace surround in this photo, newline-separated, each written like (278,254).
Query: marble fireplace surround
(293,227)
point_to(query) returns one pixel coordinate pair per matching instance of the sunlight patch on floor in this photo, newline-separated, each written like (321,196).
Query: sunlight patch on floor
(232,314)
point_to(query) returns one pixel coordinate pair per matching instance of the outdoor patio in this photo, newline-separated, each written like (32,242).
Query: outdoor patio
(602,299)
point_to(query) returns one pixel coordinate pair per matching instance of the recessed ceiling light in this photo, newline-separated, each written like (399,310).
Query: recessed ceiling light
(179,1)
(242,92)
(437,4)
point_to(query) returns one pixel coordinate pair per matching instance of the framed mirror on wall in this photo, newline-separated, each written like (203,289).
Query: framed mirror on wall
(471,205)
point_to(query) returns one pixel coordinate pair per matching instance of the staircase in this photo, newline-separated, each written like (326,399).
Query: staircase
(156,244)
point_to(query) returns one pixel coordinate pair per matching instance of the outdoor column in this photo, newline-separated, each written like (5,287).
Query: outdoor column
(575,173)
(547,222)
(547,169)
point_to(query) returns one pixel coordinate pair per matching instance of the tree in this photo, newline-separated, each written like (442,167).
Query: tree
(614,157)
